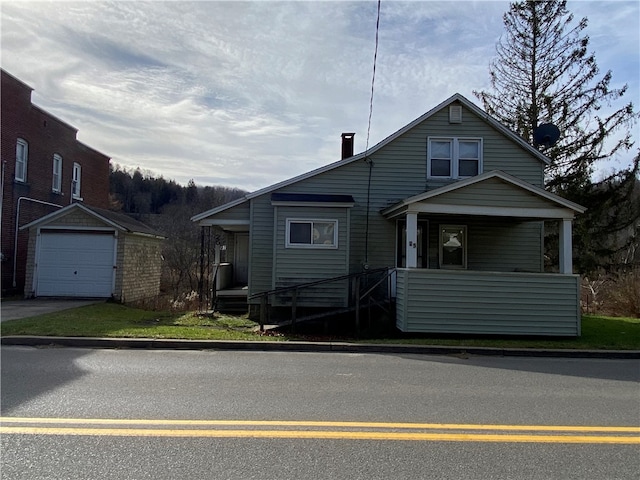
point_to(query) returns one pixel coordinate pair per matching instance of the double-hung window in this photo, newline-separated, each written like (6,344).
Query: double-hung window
(22,153)
(56,182)
(454,157)
(76,180)
(303,233)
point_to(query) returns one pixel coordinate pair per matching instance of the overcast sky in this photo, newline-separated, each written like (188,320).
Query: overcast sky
(247,94)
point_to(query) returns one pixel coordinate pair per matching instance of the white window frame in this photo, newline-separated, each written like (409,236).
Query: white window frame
(454,166)
(464,246)
(76,181)
(323,246)
(22,156)
(56,179)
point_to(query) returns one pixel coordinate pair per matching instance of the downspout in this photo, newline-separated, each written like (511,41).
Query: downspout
(15,241)
(366,231)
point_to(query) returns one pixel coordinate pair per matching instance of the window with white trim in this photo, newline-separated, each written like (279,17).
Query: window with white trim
(76,181)
(453,246)
(22,153)
(454,157)
(303,233)
(56,182)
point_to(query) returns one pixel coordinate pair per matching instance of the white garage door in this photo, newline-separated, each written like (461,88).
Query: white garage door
(74,264)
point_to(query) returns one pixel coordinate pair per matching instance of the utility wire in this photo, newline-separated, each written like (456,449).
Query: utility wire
(366,150)
(373,79)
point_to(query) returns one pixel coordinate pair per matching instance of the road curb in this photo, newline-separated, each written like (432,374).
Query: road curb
(342,347)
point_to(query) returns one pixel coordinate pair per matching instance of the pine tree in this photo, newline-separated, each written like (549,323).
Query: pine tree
(545,73)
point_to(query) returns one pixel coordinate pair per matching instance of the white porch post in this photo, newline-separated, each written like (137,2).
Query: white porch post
(412,240)
(566,264)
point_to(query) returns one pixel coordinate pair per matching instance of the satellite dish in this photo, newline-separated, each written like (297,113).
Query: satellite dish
(546,135)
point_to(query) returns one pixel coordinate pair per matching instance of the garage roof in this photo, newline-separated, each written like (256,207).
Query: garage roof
(118,220)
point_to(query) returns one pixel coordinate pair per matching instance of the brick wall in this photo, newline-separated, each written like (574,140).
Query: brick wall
(29,292)
(46,135)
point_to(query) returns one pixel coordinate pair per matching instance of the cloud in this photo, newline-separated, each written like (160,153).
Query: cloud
(246,94)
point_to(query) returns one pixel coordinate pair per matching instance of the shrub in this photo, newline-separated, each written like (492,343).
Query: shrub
(621,294)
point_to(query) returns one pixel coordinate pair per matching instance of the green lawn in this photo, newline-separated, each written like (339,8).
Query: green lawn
(114,320)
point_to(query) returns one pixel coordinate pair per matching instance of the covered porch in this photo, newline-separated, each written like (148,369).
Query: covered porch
(501,303)
(484,271)
(224,264)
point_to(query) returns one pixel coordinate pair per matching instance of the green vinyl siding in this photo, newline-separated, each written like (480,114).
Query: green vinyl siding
(239,212)
(499,152)
(494,244)
(295,265)
(260,245)
(399,171)
(440,301)
(492,192)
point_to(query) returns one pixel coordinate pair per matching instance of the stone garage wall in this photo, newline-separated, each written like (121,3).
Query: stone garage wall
(138,275)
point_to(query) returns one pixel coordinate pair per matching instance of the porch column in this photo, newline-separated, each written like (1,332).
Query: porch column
(412,240)
(566,264)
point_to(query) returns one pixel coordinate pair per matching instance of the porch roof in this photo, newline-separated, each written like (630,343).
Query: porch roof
(494,193)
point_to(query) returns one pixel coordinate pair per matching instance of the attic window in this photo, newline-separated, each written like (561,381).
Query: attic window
(455,113)
(454,157)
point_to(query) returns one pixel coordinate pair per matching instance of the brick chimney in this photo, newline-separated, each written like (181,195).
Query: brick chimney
(347,145)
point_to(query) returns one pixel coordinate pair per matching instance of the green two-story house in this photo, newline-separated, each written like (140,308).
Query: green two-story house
(452,205)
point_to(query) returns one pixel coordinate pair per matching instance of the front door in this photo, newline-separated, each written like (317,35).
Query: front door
(401,244)
(241,259)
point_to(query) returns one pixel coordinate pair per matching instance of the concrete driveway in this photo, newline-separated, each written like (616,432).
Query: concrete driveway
(14,309)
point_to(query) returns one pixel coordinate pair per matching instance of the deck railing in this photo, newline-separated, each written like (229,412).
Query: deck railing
(364,292)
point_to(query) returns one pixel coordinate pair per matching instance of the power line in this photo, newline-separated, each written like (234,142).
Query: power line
(366,150)
(373,78)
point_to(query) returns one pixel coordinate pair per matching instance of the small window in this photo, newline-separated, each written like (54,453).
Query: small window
(454,157)
(453,246)
(76,181)
(312,233)
(56,183)
(22,153)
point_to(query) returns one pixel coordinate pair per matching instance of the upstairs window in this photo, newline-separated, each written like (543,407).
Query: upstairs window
(76,181)
(22,152)
(56,183)
(312,233)
(454,157)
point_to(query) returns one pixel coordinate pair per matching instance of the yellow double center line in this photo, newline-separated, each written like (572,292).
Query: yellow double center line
(446,432)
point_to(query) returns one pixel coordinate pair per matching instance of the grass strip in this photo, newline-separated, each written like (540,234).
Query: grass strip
(115,320)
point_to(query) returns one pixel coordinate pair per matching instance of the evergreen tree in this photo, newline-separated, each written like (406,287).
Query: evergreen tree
(545,73)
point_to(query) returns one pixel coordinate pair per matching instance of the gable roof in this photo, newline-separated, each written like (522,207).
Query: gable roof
(559,207)
(117,220)
(454,98)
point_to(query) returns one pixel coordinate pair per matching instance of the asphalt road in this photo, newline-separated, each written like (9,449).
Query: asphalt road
(183,414)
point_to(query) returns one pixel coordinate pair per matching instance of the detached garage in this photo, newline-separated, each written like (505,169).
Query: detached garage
(88,252)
